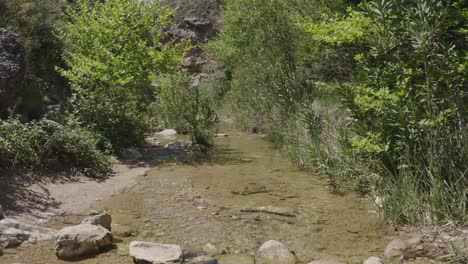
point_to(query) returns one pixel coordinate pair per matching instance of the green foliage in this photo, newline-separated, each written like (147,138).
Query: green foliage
(187,109)
(407,102)
(260,45)
(112,61)
(48,145)
(35,21)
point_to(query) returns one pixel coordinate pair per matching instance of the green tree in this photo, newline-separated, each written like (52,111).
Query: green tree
(114,54)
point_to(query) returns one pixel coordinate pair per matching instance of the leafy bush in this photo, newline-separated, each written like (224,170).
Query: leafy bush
(188,109)
(112,61)
(49,145)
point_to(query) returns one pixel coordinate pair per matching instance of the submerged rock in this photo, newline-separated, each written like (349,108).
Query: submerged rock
(204,260)
(395,248)
(103,219)
(329,261)
(273,251)
(154,253)
(373,260)
(236,259)
(82,240)
(211,250)
(179,145)
(131,154)
(14,233)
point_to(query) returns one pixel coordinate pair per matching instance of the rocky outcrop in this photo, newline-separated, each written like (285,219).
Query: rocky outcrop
(274,252)
(14,233)
(82,240)
(154,253)
(12,70)
(103,219)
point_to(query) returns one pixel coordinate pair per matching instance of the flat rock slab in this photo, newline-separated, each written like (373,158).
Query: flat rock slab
(154,253)
(14,233)
(270,210)
(82,240)
(236,259)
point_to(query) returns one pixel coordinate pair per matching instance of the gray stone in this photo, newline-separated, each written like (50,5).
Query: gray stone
(167,133)
(104,219)
(82,240)
(204,260)
(14,233)
(373,260)
(395,248)
(236,259)
(154,253)
(273,251)
(179,145)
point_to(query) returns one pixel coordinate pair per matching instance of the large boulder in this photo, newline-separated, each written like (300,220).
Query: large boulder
(154,253)
(14,233)
(12,70)
(82,240)
(167,133)
(274,252)
(103,219)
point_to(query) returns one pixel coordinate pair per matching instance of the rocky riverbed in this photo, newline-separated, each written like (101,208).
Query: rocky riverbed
(243,203)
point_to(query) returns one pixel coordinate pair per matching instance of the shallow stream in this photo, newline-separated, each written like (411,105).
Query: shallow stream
(242,195)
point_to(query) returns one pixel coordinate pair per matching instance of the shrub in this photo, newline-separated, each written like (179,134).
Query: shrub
(188,109)
(112,61)
(48,145)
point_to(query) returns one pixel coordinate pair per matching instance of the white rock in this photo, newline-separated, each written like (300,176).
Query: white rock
(373,260)
(14,233)
(154,253)
(275,252)
(104,219)
(167,133)
(211,250)
(395,248)
(82,240)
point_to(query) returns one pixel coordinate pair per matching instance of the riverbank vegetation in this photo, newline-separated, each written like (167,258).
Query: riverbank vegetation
(372,93)
(111,60)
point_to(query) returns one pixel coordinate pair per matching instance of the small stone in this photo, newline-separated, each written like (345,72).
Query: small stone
(154,253)
(395,248)
(373,260)
(104,219)
(236,259)
(204,260)
(273,251)
(167,133)
(211,250)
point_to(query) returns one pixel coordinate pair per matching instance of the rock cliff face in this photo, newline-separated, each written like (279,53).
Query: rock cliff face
(197,21)
(12,70)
